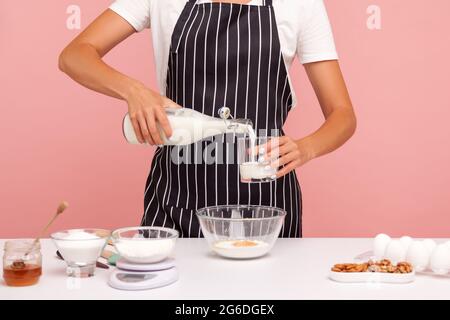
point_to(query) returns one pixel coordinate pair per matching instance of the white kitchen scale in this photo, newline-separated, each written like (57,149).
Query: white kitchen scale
(133,276)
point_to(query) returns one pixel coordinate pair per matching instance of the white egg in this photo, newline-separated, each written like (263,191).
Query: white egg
(379,245)
(430,245)
(440,259)
(395,251)
(418,255)
(406,242)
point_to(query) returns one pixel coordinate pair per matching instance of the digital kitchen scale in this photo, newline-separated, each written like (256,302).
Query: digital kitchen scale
(132,276)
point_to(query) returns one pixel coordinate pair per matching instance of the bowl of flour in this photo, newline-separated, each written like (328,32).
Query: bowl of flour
(144,244)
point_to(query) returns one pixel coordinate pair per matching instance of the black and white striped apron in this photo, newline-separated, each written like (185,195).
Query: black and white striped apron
(222,54)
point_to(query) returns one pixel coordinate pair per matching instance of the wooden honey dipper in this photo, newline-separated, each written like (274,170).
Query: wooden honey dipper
(20,264)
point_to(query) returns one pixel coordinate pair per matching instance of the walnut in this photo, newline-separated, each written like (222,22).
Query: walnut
(383,266)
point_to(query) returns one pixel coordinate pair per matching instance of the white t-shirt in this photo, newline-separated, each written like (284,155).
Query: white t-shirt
(303,27)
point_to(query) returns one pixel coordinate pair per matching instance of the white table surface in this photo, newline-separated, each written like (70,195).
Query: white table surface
(295,269)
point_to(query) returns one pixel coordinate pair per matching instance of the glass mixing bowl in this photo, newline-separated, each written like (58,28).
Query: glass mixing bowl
(241,232)
(144,244)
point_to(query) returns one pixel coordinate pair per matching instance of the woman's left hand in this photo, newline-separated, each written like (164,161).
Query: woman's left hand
(287,154)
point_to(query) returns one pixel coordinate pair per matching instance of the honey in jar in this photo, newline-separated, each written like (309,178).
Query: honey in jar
(22,263)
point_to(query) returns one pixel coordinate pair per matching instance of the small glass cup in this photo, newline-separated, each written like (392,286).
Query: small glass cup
(254,166)
(22,262)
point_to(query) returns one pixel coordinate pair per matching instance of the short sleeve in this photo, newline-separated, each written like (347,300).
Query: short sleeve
(136,12)
(316,42)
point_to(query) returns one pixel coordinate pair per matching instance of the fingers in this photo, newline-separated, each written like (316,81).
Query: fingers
(275,143)
(266,148)
(162,119)
(152,128)
(144,129)
(269,145)
(273,155)
(148,116)
(286,169)
(292,156)
(161,116)
(137,128)
(256,151)
(283,153)
(281,150)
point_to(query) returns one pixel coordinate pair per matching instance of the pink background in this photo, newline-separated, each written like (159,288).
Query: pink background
(61,141)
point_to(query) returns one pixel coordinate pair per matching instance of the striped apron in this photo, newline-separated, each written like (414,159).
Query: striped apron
(222,54)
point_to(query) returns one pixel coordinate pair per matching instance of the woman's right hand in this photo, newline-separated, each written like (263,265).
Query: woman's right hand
(147,109)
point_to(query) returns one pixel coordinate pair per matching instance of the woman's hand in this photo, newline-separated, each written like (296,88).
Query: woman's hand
(146,110)
(288,154)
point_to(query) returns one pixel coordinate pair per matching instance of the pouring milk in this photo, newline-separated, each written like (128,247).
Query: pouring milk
(190,126)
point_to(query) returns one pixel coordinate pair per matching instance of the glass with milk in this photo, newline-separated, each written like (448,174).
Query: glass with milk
(254,166)
(189,126)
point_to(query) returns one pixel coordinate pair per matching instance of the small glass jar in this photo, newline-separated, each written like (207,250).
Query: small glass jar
(22,263)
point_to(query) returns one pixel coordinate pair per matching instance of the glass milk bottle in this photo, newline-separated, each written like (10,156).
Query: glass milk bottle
(189,126)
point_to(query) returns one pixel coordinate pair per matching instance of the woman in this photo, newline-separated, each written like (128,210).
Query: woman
(210,54)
